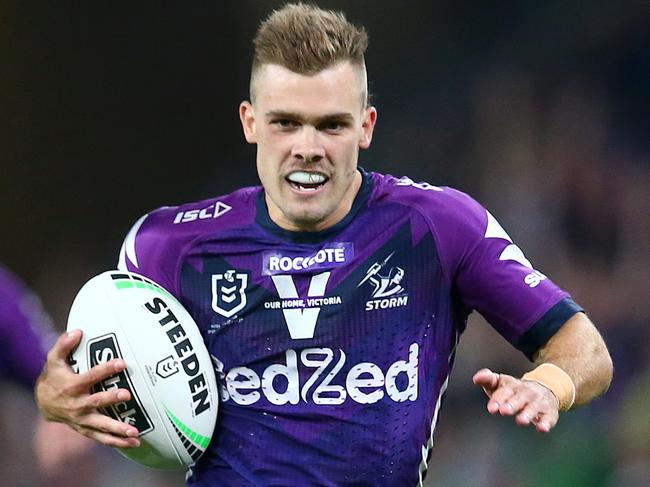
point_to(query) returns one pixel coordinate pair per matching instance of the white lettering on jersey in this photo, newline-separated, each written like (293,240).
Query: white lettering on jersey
(242,379)
(331,255)
(290,373)
(337,394)
(364,383)
(219,370)
(534,278)
(387,290)
(301,321)
(212,211)
(406,181)
(275,263)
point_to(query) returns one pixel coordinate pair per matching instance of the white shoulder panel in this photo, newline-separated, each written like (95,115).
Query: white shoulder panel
(128,246)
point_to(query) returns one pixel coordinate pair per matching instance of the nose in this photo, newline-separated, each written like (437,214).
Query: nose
(307,146)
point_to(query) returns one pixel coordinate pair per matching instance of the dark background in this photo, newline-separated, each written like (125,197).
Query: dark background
(541,110)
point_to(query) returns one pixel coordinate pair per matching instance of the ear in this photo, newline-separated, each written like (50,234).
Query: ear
(247,117)
(367,127)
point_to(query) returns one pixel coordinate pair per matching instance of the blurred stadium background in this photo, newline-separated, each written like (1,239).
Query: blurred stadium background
(541,110)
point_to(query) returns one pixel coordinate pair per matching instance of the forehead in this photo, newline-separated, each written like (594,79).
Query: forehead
(335,89)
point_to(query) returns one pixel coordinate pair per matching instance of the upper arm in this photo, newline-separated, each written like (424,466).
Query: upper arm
(491,274)
(26,331)
(577,336)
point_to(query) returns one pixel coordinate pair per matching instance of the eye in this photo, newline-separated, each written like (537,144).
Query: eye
(285,123)
(332,126)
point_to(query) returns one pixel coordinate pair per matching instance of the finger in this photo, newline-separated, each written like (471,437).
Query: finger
(500,399)
(532,415)
(486,378)
(516,403)
(102,371)
(64,346)
(545,422)
(103,399)
(105,424)
(111,440)
(529,415)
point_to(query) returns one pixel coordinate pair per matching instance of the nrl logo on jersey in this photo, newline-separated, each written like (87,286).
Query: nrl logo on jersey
(229,292)
(387,289)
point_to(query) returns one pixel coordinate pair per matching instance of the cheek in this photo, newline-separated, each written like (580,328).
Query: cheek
(348,155)
(272,150)
(343,150)
(269,167)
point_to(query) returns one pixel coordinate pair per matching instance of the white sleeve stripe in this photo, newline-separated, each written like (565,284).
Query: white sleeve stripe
(494,229)
(128,246)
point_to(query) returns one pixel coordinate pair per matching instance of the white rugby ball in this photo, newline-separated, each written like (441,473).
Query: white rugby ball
(169,372)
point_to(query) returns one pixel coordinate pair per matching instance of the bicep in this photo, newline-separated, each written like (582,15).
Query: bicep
(577,339)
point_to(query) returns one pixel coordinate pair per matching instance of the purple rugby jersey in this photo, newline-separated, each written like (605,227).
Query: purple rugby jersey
(333,349)
(25,331)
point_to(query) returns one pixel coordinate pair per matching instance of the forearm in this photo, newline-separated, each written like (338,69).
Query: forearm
(579,350)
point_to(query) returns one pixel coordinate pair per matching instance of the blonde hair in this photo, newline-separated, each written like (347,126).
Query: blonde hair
(306,39)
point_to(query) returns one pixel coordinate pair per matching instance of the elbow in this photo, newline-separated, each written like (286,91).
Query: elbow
(602,368)
(607,369)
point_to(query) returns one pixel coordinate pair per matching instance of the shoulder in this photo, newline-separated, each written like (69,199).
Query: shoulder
(447,211)
(202,216)
(156,241)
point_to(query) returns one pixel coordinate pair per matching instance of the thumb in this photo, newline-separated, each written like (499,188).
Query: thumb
(487,379)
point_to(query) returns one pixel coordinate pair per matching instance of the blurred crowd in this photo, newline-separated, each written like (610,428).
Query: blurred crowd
(544,117)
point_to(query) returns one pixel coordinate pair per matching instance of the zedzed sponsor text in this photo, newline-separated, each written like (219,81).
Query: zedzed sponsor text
(320,376)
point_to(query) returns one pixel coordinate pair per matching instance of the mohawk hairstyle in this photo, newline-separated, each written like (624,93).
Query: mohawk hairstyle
(306,39)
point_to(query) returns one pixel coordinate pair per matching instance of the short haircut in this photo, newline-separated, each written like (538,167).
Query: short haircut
(306,40)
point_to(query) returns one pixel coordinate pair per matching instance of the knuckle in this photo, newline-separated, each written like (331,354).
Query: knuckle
(94,401)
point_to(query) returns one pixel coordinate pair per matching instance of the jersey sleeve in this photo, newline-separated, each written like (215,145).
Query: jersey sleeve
(159,241)
(148,250)
(26,332)
(491,274)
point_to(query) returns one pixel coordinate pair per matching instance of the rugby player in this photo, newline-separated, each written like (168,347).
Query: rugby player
(26,333)
(332,298)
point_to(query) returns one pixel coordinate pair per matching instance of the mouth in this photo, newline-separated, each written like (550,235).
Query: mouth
(306,181)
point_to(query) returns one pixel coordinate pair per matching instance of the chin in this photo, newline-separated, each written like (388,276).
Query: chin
(307,219)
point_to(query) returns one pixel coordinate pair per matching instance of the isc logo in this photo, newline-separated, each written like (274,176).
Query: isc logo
(212,211)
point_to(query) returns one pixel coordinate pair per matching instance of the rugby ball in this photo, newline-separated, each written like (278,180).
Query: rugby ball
(169,373)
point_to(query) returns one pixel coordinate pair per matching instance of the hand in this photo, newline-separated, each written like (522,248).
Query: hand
(67,397)
(529,402)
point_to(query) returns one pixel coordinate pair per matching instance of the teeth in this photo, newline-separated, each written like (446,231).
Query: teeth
(304,177)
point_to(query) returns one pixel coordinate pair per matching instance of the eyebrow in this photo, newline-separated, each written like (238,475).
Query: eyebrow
(342,116)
